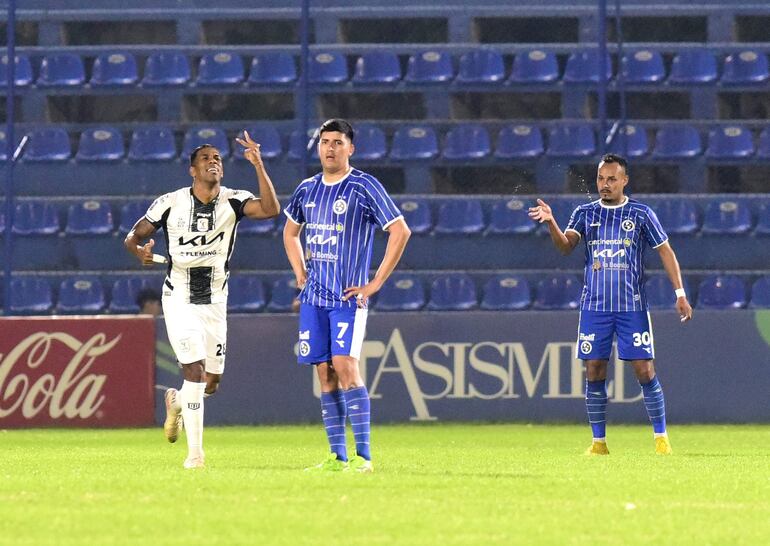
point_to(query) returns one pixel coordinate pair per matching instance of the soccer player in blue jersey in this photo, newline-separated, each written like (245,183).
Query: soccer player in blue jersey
(339,209)
(616,230)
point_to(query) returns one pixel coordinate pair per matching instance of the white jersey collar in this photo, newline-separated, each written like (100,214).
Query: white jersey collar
(325,183)
(614,206)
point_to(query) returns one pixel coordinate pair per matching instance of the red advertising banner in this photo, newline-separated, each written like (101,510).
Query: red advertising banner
(77,371)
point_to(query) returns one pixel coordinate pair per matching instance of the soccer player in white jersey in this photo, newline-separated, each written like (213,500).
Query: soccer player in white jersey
(199,223)
(339,209)
(616,230)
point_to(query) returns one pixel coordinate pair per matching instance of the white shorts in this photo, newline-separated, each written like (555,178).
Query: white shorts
(197,332)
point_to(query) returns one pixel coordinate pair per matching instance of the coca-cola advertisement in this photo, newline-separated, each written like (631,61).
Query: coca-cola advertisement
(77,371)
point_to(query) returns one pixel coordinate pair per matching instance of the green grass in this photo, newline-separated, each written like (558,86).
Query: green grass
(436,484)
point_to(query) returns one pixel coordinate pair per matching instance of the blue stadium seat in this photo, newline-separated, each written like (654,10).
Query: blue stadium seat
(298,144)
(268,138)
(328,68)
(401,292)
(558,291)
(583,67)
(760,293)
(4,143)
(377,68)
(131,212)
(510,217)
(22,71)
(519,142)
(413,142)
(80,296)
(660,294)
(217,69)
(273,68)
(115,69)
(429,67)
(417,215)
(506,293)
(467,142)
(722,292)
(535,66)
(571,141)
(51,144)
(248,226)
(642,67)
(61,70)
(370,143)
(677,215)
(694,66)
(677,142)
(89,218)
(763,220)
(744,68)
(206,135)
(726,216)
(763,144)
(460,217)
(282,294)
(166,69)
(480,67)
(731,142)
(453,292)
(31,296)
(124,293)
(36,218)
(152,144)
(246,294)
(102,144)
(630,141)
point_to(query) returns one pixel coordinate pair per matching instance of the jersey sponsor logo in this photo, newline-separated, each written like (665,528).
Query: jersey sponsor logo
(597,242)
(586,347)
(310,205)
(327,227)
(202,240)
(628,225)
(340,206)
(304,348)
(194,405)
(322,256)
(320,239)
(609,253)
(304,334)
(587,337)
(340,342)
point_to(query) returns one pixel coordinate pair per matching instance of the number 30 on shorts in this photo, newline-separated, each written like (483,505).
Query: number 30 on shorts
(642,338)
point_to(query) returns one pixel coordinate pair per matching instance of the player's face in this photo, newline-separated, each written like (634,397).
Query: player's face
(610,181)
(335,149)
(207,166)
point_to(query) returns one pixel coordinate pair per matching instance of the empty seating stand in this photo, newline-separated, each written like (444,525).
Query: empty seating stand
(61,70)
(31,296)
(116,69)
(558,292)
(220,69)
(727,217)
(506,293)
(484,66)
(414,142)
(377,68)
(46,145)
(644,66)
(272,69)
(760,293)
(417,214)
(732,142)
(246,294)
(80,296)
(166,69)
(429,67)
(453,292)
(534,67)
(283,294)
(693,67)
(401,292)
(464,216)
(23,76)
(519,142)
(722,292)
(467,142)
(102,144)
(510,217)
(206,135)
(152,144)
(328,68)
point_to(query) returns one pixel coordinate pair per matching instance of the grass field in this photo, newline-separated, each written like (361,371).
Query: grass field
(435,484)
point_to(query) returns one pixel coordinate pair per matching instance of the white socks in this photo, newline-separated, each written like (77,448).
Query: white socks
(191,396)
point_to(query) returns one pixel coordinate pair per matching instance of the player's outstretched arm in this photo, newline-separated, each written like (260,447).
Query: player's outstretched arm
(671,265)
(293,247)
(267,206)
(565,242)
(141,231)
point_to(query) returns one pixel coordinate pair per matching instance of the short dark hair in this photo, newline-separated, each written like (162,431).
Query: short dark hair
(145,295)
(615,158)
(194,153)
(337,125)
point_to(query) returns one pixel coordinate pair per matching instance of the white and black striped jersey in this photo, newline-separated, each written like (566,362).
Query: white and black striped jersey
(200,238)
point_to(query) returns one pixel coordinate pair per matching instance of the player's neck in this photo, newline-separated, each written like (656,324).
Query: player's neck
(614,203)
(205,193)
(332,177)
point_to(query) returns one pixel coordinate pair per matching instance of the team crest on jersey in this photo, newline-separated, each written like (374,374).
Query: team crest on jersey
(202,224)
(628,225)
(304,348)
(340,206)
(586,347)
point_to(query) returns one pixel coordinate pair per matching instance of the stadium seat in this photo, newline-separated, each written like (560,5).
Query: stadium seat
(401,292)
(248,226)
(327,68)
(534,66)
(268,138)
(642,67)
(630,141)
(131,212)
(519,142)
(506,293)
(370,143)
(660,294)
(731,142)
(722,292)
(694,66)
(166,69)
(763,145)
(35,218)
(377,68)
(745,68)
(571,141)
(246,294)
(103,144)
(677,142)
(760,293)
(677,216)
(467,142)
(460,216)
(272,68)
(298,144)
(417,215)
(31,296)
(453,292)
(559,291)
(152,144)
(510,217)
(219,69)
(205,135)
(583,67)
(282,294)
(413,142)
(726,217)
(45,145)
(114,70)
(89,218)
(481,67)
(763,220)
(61,70)
(22,71)
(429,67)
(124,293)
(80,296)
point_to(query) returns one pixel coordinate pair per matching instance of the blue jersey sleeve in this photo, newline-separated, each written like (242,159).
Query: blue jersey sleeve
(380,206)
(577,222)
(294,208)
(653,231)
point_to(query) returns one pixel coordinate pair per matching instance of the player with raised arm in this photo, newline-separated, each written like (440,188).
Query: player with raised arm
(199,223)
(616,230)
(339,209)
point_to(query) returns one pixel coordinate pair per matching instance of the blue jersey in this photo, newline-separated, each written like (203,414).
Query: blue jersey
(615,238)
(339,222)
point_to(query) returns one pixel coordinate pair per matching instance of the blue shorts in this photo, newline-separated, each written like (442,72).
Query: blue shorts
(597,329)
(327,332)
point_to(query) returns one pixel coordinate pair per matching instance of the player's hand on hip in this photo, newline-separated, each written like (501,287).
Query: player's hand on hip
(684,309)
(542,212)
(145,252)
(252,152)
(361,293)
(301,281)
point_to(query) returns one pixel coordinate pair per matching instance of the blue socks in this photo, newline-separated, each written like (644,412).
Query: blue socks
(333,414)
(655,404)
(596,405)
(357,401)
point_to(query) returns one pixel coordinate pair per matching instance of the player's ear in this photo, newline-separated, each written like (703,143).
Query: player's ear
(191,170)
(352,149)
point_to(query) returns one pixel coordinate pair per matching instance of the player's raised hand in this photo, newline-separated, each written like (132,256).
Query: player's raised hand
(251,151)
(684,309)
(542,212)
(145,252)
